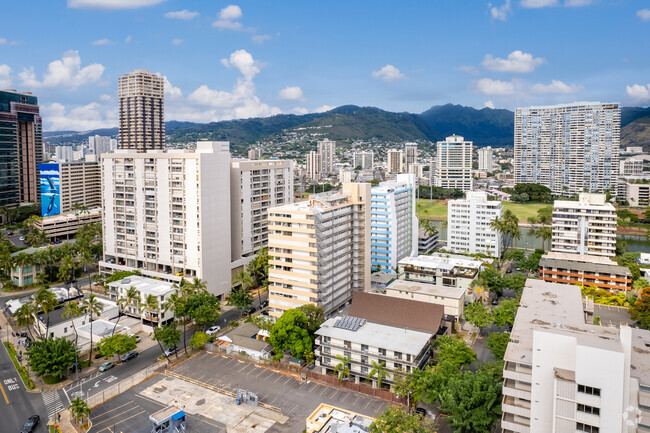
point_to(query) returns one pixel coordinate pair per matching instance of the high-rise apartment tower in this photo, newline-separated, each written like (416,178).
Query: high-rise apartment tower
(454,164)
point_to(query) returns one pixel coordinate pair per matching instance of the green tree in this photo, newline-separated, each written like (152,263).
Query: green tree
(342,369)
(240,298)
(198,285)
(116,344)
(71,311)
(45,301)
(290,332)
(37,238)
(86,259)
(508,226)
(67,269)
(472,402)
(377,370)
(91,307)
(505,312)
(315,317)
(203,308)
(25,316)
(51,357)
(453,350)
(640,310)
(428,226)
(199,339)
(497,342)
(178,305)
(430,382)
(478,315)
(168,335)
(79,410)
(397,420)
(130,299)
(640,284)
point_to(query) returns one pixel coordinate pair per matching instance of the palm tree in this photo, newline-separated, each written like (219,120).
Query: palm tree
(240,298)
(177,304)
(131,297)
(85,258)
(150,304)
(508,226)
(198,285)
(45,301)
(429,228)
(37,238)
(79,409)
(71,310)
(378,370)
(25,317)
(343,367)
(91,306)
(22,260)
(244,279)
(543,232)
(42,280)
(67,269)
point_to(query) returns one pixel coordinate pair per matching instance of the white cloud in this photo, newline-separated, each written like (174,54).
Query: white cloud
(489,104)
(91,116)
(517,62)
(105,97)
(291,93)
(5,76)
(210,105)
(638,92)
(500,12)
(577,3)
(4,41)
(177,41)
(258,39)
(487,86)
(111,4)
(324,108)
(185,15)
(128,39)
(469,69)
(538,3)
(228,18)
(103,42)
(299,110)
(388,74)
(556,86)
(65,72)
(644,14)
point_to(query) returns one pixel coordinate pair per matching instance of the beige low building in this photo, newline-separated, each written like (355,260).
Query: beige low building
(330,419)
(451,298)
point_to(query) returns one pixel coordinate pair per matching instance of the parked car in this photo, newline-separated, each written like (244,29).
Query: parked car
(213,330)
(137,337)
(420,412)
(10,233)
(495,301)
(22,238)
(30,424)
(265,313)
(250,311)
(24,334)
(170,351)
(264,304)
(129,356)
(106,366)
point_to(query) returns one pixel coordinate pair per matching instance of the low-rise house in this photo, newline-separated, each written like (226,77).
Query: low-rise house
(161,290)
(584,269)
(449,270)
(452,299)
(330,419)
(246,338)
(60,326)
(379,280)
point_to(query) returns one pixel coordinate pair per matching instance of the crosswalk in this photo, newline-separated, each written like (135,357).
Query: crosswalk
(53,403)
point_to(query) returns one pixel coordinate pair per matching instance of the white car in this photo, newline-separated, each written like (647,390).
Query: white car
(213,330)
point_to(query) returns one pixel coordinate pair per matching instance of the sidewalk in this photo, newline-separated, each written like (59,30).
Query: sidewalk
(65,424)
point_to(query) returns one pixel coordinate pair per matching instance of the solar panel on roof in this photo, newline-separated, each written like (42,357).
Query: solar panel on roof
(349,323)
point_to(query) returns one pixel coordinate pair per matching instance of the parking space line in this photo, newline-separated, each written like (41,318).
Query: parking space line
(151,400)
(347,394)
(288,379)
(367,404)
(323,391)
(261,372)
(122,413)
(278,378)
(334,395)
(111,410)
(355,401)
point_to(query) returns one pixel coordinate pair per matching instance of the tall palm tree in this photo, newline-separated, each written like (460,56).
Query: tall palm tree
(198,285)
(37,237)
(244,279)
(71,310)
(91,306)
(177,304)
(67,269)
(25,317)
(543,232)
(45,301)
(150,304)
(79,410)
(22,260)
(131,297)
(508,226)
(343,367)
(378,370)
(85,258)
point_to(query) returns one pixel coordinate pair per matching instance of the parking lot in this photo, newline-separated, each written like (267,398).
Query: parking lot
(612,316)
(202,377)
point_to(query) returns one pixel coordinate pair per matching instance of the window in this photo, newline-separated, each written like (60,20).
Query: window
(327,360)
(326,339)
(347,354)
(398,355)
(588,409)
(382,351)
(408,357)
(364,359)
(589,390)
(364,347)
(364,370)
(398,366)
(586,428)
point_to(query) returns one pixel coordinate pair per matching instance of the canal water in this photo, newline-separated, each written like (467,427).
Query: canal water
(529,241)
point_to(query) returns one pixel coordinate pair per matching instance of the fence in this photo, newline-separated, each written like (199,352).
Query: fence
(333,381)
(128,383)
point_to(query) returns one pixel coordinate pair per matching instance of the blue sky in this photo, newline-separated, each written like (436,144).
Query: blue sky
(257,58)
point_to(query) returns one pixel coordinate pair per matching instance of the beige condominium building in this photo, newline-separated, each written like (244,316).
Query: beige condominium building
(314,165)
(454,164)
(81,185)
(256,186)
(586,226)
(142,111)
(319,249)
(327,151)
(167,214)
(410,156)
(395,162)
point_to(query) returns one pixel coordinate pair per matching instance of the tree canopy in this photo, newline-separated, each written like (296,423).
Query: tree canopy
(204,308)
(51,356)
(453,350)
(640,310)
(478,315)
(291,332)
(505,312)
(497,342)
(116,345)
(397,420)
(315,316)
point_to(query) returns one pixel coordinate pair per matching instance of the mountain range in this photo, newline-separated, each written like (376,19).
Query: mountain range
(485,127)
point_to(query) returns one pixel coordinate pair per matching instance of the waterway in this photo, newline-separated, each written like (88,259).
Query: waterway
(529,241)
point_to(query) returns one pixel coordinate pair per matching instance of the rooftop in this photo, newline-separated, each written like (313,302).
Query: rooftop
(558,308)
(377,335)
(56,316)
(586,200)
(582,262)
(101,328)
(442,261)
(146,286)
(245,335)
(427,289)
(330,419)
(403,313)
(569,105)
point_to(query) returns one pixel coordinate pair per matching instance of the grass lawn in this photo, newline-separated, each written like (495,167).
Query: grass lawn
(437,209)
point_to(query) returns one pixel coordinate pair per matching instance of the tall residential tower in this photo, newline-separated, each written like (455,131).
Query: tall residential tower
(454,164)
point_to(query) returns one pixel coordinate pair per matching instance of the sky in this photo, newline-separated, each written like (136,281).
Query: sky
(258,58)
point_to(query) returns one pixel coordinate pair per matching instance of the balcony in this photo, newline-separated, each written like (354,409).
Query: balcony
(515,423)
(516,406)
(517,389)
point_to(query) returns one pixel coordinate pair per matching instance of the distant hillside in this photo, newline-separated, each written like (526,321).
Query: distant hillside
(637,133)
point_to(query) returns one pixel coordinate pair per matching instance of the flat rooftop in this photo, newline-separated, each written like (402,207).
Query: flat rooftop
(317,203)
(558,308)
(427,289)
(442,261)
(377,335)
(146,286)
(330,419)
(583,262)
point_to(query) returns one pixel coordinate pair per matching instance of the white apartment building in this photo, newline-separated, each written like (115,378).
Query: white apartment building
(468,222)
(100,144)
(569,148)
(168,213)
(631,166)
(63,154)
(314,165)
(485,159)
(564,374)
(346,176)
(256,186)
(394,226)
(452,299)
(416,169)
(586,226)
(448,270)
(410,155)
(634,189)
(327,150)
(395,162)
(454,164)
(319,250)
(365,160)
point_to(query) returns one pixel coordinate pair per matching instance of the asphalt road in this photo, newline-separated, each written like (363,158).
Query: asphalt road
(15,238)
(16,404)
